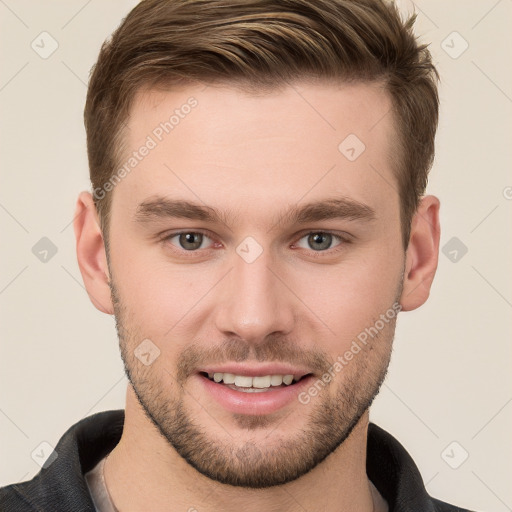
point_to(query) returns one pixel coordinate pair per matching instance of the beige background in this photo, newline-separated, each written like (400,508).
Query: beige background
(450,378)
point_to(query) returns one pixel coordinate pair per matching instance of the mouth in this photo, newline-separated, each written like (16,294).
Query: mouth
(254,389)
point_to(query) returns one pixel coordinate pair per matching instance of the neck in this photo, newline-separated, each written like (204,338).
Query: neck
(144,472)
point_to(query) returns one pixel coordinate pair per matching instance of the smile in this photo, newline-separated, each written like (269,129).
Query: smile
(257,394)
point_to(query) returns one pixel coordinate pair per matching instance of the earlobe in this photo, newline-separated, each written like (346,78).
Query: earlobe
(422,254)
(90,251)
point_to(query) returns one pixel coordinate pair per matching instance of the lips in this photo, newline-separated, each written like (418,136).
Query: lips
(254,400)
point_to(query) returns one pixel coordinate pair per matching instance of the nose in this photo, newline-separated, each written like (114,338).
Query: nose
(254,300)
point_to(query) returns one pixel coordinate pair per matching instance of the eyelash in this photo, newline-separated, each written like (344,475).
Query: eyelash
(315,254)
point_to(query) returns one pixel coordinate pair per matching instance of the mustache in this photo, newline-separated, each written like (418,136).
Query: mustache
(272,349)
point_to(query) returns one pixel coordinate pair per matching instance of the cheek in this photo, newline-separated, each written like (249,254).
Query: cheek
(149,288)
(351,296)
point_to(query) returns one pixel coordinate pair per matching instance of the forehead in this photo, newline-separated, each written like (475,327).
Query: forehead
(324,110)
(222,144)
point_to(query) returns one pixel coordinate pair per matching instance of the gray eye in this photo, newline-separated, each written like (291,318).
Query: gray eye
(318,240)
(190,241)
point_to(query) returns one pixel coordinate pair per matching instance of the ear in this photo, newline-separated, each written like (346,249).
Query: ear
(422,254)
(90,251)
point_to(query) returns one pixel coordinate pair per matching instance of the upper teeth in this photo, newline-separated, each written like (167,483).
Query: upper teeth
(254,382)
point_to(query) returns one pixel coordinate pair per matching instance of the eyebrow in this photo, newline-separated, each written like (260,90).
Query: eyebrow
(160,207)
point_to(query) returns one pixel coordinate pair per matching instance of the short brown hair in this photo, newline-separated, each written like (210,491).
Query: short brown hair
(265,44)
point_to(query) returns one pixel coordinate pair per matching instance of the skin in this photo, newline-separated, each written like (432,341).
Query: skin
(256,156)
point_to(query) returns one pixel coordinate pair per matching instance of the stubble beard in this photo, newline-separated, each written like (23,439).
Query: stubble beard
(330,419)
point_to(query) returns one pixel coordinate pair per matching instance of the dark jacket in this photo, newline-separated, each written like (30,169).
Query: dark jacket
(62,487)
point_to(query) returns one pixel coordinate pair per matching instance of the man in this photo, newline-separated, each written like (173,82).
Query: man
(257,222)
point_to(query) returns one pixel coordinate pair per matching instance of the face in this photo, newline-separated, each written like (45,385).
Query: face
(250,240)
